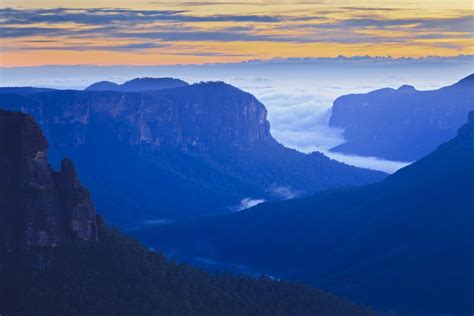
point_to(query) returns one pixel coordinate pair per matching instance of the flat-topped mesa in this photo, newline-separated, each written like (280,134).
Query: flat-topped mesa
(216,113)
(39,208)
(191,117)
(150,84)
(403,124)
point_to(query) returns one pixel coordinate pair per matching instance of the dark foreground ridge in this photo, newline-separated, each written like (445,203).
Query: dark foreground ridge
(93,270)
(404,244)
(38,207)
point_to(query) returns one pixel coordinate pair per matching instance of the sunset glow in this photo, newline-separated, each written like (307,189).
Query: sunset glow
(174,32)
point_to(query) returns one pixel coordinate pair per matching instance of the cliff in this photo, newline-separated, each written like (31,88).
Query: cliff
(183,152)
(401,124)
(200,116)
(39,208)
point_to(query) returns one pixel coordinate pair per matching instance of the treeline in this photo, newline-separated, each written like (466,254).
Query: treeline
(118,276)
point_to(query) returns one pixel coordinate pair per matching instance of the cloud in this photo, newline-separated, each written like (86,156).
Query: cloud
(15,32)
(449,46)
(198,36)
(207,54)
(380,30)
(283,192)
(165,28)
(239,28)
(463,24)
(365,9)
(65,24)
(159,221)
(101,16)
(247,203)
(368,162)
(92,47)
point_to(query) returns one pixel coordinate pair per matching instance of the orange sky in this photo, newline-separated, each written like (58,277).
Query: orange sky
(170,32)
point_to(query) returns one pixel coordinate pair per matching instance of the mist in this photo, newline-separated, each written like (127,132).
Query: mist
(298,94)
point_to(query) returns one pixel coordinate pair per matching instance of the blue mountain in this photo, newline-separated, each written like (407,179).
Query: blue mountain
(58,258)
(401,124)
(402,245)
(180,152)
(138,84)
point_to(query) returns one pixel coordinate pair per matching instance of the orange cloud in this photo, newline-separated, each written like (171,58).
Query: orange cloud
(220,31)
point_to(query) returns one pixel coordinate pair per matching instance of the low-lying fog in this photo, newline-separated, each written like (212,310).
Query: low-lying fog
(297,94)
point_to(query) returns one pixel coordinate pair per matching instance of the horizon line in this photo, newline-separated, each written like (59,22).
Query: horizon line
(274,59)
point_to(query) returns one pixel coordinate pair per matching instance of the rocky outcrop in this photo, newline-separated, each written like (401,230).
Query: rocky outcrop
(39,208)
(76,202)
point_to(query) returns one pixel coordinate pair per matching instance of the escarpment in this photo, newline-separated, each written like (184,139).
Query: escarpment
(39,207)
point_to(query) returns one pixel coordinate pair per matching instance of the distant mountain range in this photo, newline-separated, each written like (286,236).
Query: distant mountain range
(365,58)
(23,90)
(180,152)
(403,124)
(138,84)
(404,245)
(58,258)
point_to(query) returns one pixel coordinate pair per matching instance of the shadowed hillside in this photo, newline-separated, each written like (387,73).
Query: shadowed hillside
(81,267)
(404,244)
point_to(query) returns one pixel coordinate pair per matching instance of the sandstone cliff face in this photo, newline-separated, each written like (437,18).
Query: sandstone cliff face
(38,207)
(403,124)
(79,211)
(183,152)
(187,118)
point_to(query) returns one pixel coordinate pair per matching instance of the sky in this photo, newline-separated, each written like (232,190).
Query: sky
(105,32)
(91,41)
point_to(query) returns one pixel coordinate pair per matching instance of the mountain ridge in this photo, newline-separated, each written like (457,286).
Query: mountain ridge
(210,139)
(412,230)
(138,85)
(404,124)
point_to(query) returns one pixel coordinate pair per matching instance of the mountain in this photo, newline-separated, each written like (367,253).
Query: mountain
(402,245)
(103,86)
(138,84)
(173,153)
(82,267)
(39,207)
(23,90)
(404,124)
